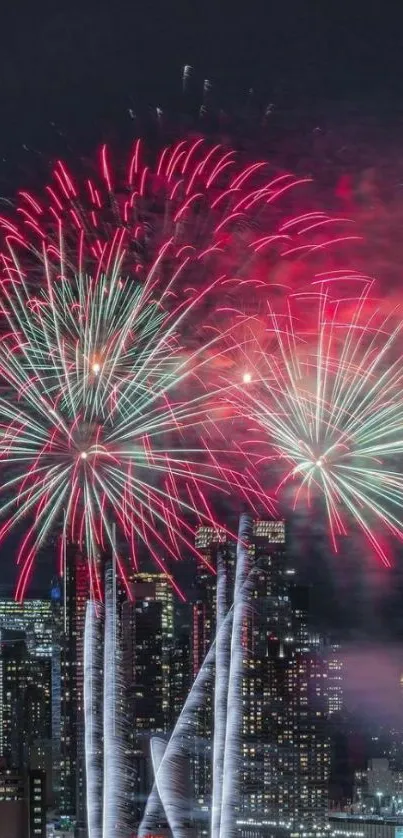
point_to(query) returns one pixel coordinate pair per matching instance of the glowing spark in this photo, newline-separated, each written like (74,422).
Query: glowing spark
(126,277)
(333,380)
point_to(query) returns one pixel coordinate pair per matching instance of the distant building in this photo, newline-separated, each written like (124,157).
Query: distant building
(33,677)
(25,706)
(148,639)
(181,667)
(286,748)
(335,680)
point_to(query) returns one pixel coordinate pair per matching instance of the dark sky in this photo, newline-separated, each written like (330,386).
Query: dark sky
(84,62)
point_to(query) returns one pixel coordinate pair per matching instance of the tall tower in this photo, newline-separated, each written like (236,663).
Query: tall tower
(150,588)
(75,592)
(335,679)
(148,628)
(267,615)
(27,666)
(285,746)
(25,705)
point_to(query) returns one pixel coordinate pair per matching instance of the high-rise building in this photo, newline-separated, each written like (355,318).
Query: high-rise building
(33,620)
(155,587)
(335,679)
(75,591)
(33,617)
(25,705)
(149,705)
(147,631)
(181,668)
(285,746)
(148,651)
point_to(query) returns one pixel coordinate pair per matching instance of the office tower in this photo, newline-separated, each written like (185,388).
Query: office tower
(147,637)
(204,596)
(268,616)
(150,588)
(181,667)
(75,592)
(335,679)
(285,746)
(37,804)
(25,705)
(33,617)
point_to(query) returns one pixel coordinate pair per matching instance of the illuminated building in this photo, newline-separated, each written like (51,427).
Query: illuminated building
(285,747)
(72,752)
(22,804)
(25,705)
(147,636)
(335,680)
(154,588)
(34,618)
(181,669)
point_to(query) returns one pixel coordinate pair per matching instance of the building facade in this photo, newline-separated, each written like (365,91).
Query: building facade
(75,592)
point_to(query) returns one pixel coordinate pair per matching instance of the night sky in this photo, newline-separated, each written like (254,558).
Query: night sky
(83,64)
(73,74)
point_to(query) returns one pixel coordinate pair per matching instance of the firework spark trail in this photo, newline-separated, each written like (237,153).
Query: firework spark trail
(182,737)
(104,373)
(180,741)
(329,400)
(115,779)
(172,788)
(93,420)
(184,731)
(93,706)
(233,735)
(222,660)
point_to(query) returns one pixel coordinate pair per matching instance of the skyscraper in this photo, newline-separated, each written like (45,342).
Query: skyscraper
(147,630)
(155,587)
(285,745)
(25,705)
(75,593)
(181,667)
(335,679)
(33,617)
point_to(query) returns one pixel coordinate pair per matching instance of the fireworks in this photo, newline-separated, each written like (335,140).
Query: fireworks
(327,392)
(123,438)
(111,294)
